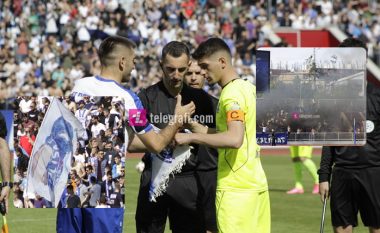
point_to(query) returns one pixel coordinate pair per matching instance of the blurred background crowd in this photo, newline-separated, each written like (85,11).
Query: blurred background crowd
(46,45)
(98,165)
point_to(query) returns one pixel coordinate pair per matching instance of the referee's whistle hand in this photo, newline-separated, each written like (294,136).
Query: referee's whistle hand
(183,112)
(324,190)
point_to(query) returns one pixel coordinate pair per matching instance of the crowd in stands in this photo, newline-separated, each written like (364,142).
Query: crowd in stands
(46,46)
(98,165)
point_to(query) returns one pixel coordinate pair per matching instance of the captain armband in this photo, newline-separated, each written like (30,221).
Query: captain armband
(235,115)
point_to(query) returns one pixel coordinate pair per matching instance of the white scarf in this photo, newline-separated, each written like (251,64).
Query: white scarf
(167,163)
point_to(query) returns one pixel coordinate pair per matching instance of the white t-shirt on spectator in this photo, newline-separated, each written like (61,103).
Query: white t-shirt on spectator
(64,19)
(326,7)
(25,105)
(102,206)
(25,67)
(83,11)
(51,25)
(75,74)
(298,22)
(192,24)
(92,22)
(170,34)
(83,34)
(143,28)
(50,65)
(18,203)
(35,42)
(47,56)
(154,33)
(79,158)
(95,129)
(111,31)
(111,5)
(210,28)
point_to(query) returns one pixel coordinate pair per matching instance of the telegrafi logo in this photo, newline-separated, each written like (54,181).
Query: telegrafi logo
(137,117)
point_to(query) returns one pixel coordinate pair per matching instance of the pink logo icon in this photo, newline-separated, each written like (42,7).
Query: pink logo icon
(137,117)
(295,115)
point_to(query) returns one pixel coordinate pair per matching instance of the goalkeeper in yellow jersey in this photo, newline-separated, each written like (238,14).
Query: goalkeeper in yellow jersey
(242,198)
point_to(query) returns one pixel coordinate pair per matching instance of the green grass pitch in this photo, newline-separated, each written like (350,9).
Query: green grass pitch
(290,213)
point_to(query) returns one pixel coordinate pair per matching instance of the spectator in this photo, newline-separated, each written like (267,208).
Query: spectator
(116,200)
(102,203)
(22,160)
(94,192)
(39,202)
(27,141)
(116,168)
(96,126)
(73,200)
(108,186)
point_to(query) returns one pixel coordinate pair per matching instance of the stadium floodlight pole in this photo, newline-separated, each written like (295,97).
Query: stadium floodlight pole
(323,213)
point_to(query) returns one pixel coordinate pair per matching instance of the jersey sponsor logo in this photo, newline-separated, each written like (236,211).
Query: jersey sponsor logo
(137,117)
(370,126)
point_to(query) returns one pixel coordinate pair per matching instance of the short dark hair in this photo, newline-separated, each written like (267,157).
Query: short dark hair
(102,199)
(70,187)
(353,42)
(209,47)
(109,45)
(175,49)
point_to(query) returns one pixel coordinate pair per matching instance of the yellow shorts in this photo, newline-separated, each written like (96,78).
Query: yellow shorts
(243,212)
(301,151)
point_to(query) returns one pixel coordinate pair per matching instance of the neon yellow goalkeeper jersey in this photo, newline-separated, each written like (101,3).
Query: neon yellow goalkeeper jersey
(239,169)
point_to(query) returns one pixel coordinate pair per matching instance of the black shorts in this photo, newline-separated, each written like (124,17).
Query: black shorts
(207,193)
(179,203)
(3,127)
(354,191)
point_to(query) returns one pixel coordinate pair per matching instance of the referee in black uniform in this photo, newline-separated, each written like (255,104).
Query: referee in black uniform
(185,197)
(206,170)
(355,182)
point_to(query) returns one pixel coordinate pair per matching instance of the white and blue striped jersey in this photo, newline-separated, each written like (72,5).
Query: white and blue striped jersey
(98,86)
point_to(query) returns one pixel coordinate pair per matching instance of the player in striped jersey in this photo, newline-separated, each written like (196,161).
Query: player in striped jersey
(117,57)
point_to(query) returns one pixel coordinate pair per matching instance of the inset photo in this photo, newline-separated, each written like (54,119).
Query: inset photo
(311,96)
(70,153)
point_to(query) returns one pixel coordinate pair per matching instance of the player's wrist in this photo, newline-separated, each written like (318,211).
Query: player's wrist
(175,123)
(7,184)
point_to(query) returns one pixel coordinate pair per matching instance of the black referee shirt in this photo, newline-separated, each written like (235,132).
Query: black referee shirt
(356,157)
(160,105)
